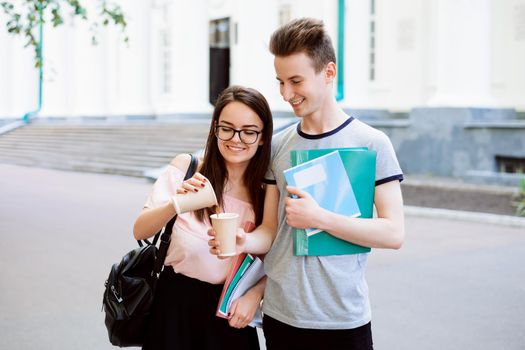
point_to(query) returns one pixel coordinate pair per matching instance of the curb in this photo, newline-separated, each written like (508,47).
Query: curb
(485,218)
(11,126)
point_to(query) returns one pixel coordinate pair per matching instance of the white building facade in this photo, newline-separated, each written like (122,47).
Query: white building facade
(396,56)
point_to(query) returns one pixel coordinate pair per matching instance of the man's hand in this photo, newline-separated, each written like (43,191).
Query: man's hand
(215,248)
(301,212)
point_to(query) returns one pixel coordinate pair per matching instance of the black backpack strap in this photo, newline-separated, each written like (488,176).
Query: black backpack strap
(194,162)
(165,237)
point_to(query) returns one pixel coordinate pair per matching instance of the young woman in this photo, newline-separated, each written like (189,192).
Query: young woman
(235,161)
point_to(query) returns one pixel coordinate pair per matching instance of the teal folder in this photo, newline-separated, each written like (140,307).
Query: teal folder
(360,166)
(248,260)
(325,179)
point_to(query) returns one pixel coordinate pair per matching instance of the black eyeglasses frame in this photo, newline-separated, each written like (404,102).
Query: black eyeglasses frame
(236,131)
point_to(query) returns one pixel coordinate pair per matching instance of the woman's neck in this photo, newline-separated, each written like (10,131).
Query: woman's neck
(235,177)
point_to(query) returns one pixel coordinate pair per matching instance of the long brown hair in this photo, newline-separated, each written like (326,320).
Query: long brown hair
(213,165)
(306,35)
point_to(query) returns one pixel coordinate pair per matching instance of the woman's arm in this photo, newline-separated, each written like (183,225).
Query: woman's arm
(243,309)
(152,220)
(260,240)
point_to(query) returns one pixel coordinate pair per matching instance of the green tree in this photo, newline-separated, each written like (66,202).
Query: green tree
(520,199)
(24,17)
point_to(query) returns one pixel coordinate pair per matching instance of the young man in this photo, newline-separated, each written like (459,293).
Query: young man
(319,301)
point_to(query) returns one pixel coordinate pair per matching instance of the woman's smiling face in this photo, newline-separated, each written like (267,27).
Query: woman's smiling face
(238,116)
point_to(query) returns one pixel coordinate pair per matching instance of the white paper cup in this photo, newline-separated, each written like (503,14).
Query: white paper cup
(191,201)
(225,226)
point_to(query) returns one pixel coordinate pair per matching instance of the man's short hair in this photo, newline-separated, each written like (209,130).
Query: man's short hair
(306,35)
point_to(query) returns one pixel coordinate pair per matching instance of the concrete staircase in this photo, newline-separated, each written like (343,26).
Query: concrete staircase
(126,148)
(134,148)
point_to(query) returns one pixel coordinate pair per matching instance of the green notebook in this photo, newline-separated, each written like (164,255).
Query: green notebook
(360,165)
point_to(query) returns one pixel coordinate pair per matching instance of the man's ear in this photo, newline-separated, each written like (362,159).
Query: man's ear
(330,72)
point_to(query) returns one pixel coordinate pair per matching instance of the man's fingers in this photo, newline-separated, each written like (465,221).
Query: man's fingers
(297,192)
(293,190)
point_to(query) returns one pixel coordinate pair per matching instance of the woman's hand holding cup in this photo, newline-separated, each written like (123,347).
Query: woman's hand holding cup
(194,194)
(215,244)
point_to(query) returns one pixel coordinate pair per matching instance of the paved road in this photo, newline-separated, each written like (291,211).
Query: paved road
(454,284)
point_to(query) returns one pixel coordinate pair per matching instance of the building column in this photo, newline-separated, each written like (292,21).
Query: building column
(357,48)
(18,77)
(133,95)
(58,84)
(461,54)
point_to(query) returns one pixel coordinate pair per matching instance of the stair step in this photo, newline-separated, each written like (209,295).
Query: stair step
(123,149)
(87,158)
(114,147)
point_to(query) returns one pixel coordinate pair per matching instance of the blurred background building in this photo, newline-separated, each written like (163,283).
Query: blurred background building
(444,78)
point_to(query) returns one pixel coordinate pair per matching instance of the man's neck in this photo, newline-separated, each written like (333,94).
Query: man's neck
(324,120)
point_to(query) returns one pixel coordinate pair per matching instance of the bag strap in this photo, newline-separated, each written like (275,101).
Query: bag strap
(194,162)
(165,237)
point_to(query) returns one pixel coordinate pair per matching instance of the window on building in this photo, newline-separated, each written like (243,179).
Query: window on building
(219,40)
(166,61)
(512,165)
(372,41)
(284,14)
(165,53)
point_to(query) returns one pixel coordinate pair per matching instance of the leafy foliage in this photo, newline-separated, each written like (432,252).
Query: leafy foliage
(520,203)
(24,17)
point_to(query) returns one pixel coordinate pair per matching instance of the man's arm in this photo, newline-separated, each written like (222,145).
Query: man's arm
(385,231)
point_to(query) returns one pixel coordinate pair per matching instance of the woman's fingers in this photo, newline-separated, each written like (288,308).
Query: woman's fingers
(237,319)
(193,184)
(181,190)
(200,177)
(214,246)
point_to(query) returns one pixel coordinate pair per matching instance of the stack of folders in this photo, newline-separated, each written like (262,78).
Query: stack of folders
(340,180)
(244,273)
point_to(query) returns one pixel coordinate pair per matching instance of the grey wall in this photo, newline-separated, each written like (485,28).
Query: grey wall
(457,142)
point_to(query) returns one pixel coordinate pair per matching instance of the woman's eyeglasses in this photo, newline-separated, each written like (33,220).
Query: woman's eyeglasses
(246,136)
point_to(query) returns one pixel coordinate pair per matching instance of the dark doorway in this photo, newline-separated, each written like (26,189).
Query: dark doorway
(219,57)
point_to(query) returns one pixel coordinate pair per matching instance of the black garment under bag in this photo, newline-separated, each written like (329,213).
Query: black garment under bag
(130,287)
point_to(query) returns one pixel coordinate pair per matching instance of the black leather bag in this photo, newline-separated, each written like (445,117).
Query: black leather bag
(130,287)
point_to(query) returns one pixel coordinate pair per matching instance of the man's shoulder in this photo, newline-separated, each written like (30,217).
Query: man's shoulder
(284,138)
(284,134)
(367,129)
(369,134)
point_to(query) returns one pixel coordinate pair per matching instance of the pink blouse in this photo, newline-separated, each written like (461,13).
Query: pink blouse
(188,252)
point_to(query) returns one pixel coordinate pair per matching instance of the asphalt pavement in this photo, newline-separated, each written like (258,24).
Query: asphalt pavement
(455,284)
